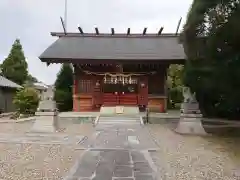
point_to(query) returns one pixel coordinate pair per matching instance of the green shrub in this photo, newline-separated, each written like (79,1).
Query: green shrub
(175,98)
(26,101)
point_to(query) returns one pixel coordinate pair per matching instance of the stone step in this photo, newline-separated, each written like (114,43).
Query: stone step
(119,123)
(111,110)
(119,120)
(108,119)
(116,118)
(131,110)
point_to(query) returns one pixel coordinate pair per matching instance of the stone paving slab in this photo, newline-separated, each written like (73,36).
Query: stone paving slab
(144,177)
(116,151)
(123,170)
(123,136)
(112,165)
(137,156)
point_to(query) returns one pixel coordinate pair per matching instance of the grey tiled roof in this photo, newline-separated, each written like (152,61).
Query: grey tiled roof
(138,47)
(4,82)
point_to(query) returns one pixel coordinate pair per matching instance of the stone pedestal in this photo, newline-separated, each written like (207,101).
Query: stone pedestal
(190,118)
(46,122)
(47,114)
(190,108)
(190,124)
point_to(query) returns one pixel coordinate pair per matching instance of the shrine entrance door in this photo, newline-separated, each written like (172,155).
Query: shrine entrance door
(119,93)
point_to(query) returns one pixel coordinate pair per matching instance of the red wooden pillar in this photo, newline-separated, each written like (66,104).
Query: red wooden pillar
(165,89)
(143,91)
(97,92)
(75,93)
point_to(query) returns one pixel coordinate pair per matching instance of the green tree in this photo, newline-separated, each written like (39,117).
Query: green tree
(175,84)
(14,67)
(63,88)
(26,101)
(1,70)
(211,41)
(30,80)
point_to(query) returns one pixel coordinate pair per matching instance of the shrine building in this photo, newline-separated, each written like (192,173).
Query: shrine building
(117,69)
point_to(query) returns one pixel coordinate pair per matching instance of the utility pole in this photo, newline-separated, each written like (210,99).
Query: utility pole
(65,15)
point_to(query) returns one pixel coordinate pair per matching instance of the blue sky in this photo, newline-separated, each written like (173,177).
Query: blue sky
(33,20)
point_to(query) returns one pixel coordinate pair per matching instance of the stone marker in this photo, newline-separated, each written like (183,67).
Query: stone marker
(190,118)
(47,114)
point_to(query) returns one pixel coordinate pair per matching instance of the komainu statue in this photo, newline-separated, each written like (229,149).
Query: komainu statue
(191,118)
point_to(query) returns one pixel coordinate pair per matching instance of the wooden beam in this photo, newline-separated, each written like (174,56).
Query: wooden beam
(97,31)
(128,31)
(178,26)
(63,25)
(160,31)
(80,30)
(144,31)
(113,32)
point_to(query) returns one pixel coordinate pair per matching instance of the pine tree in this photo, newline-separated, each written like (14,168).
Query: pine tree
(211,42)
(1,70)
(30,80)
(63,88)
(14,67)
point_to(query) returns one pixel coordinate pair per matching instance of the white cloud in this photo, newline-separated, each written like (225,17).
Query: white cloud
(33,20)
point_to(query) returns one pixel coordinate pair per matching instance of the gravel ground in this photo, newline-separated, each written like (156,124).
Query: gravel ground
(192,157)
(68,127)
(35,162)
(86,129)
(20,127)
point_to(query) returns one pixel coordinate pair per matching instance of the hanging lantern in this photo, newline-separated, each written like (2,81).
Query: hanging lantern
(130,80)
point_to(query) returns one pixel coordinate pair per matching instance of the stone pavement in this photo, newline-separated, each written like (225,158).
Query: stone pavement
(120,136)
(116,152)
(113,165)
